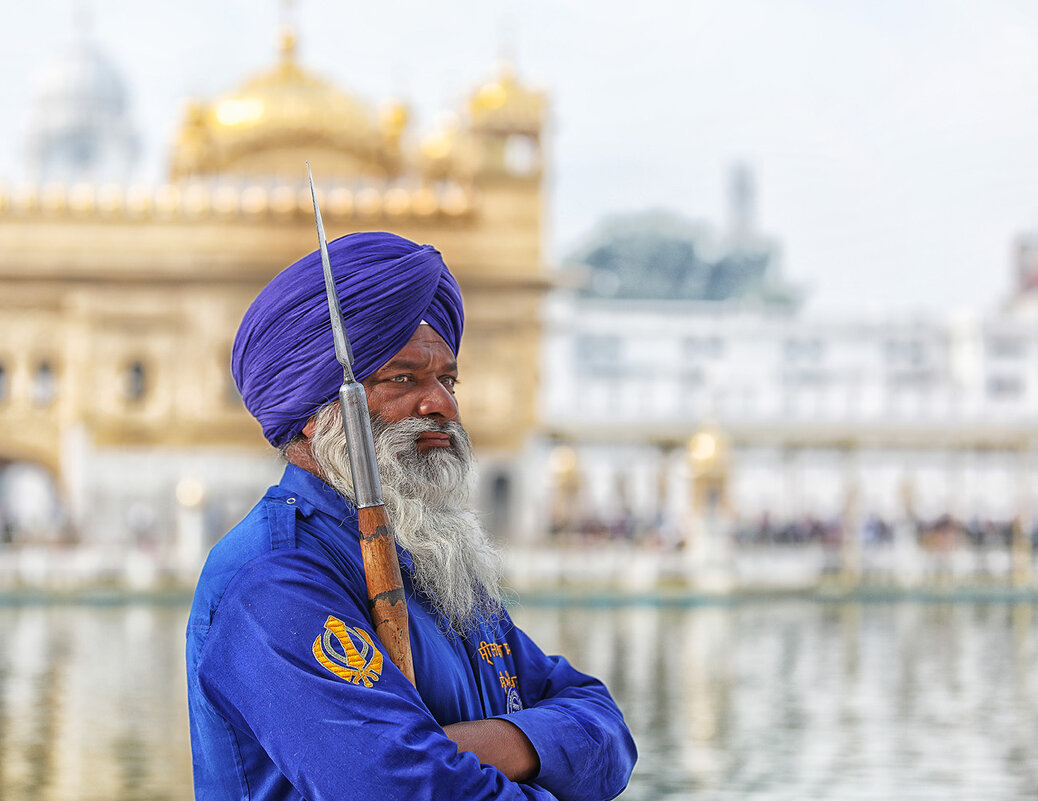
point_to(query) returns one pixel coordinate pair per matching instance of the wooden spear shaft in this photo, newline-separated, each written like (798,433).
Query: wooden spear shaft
(385,586)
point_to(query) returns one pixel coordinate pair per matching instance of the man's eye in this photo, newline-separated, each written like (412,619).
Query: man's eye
(450,382)
(400,379)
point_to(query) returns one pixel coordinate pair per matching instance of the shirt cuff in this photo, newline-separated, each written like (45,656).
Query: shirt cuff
(546,728)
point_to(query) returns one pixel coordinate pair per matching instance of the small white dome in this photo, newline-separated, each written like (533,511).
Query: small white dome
(80,128)
(82,79)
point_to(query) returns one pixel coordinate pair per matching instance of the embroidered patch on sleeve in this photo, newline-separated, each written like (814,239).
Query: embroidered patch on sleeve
(354,659)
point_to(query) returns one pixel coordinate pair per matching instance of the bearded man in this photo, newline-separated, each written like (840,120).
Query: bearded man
(290,694)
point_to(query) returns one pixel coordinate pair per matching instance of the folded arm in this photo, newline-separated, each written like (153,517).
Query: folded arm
(499,743)
(584,748)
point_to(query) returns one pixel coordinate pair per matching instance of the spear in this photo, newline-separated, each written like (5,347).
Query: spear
(378,549)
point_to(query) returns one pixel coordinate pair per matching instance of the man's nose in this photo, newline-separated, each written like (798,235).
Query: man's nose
(437,401)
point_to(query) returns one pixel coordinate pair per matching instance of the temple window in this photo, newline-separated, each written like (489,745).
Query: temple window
(44,384)
(702,347)
(521,155)
(906,352)
(804,350)
(1005,347)
(598,353)
(1005,387)
(136,386)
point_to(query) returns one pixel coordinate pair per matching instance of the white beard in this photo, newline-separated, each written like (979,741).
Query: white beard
(427,500)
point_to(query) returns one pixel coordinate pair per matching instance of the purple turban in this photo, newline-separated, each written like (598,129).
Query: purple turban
(283,359)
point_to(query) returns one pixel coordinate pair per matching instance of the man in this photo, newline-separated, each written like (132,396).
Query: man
(290,694)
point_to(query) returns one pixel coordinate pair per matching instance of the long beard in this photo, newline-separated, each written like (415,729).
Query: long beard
(427,497)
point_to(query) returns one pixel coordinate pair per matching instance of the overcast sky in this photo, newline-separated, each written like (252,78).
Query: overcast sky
(894,142)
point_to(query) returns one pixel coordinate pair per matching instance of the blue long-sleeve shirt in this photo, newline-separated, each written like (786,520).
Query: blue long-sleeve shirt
(291,695)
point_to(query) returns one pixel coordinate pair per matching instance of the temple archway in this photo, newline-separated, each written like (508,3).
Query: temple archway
(31,507)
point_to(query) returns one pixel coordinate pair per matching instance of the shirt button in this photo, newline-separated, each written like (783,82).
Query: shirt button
(290,500)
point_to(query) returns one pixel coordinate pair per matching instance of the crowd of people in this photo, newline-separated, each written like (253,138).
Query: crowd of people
(941,533)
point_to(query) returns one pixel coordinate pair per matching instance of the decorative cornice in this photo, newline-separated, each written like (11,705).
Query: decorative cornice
(244,202)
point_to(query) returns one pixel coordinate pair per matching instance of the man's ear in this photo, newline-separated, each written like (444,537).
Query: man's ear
(299,452)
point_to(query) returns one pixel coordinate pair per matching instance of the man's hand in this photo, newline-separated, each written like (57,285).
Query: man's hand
(499,743)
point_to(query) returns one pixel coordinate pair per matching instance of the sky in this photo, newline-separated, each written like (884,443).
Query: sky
(894,142)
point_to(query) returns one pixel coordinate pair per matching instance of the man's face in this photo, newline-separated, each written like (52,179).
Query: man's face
(417,382)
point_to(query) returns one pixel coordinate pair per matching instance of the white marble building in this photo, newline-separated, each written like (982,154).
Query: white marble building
(911,417)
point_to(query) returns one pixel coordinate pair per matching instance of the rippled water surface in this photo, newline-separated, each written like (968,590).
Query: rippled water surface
(756,701)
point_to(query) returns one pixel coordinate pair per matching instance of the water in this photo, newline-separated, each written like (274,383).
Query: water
(812,701)
(759,701)
(93,703)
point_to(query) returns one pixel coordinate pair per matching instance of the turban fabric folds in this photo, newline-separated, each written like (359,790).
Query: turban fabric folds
(283,359)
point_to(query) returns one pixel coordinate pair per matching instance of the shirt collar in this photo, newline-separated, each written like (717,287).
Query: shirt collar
(313,493)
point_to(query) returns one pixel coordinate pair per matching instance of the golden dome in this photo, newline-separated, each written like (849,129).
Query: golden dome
(277,119)
(505,103)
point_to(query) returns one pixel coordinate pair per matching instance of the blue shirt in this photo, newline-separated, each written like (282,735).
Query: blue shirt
(291,697)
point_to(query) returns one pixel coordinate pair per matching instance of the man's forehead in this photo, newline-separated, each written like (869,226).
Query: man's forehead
(425,348)
(424,335)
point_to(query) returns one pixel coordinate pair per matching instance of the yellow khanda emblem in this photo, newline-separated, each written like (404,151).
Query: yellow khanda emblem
(348,663)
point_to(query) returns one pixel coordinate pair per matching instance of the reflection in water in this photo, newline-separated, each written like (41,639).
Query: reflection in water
(783,701)
(803,700)
(93,703)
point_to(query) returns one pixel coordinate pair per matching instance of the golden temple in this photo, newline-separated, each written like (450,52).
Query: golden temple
(119,304)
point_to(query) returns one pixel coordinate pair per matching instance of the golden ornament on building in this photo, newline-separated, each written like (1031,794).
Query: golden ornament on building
(507,105)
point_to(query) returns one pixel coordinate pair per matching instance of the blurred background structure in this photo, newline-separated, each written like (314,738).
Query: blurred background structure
(122,426)
(684,383)
(752,343)
(665,394)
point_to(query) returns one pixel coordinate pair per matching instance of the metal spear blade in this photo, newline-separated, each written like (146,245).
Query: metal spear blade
(343,352)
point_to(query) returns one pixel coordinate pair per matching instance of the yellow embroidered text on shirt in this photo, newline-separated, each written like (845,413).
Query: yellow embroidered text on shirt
(492,650)
(507,680)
